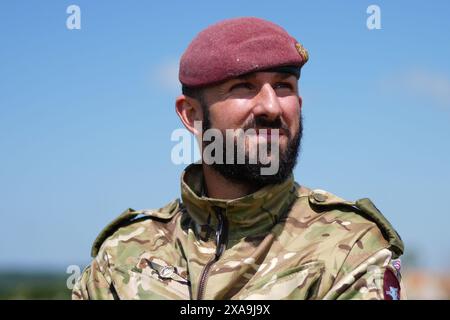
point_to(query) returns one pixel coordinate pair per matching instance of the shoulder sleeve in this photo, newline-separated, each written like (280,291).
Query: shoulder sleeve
(130,216)
(369,272)
(93,284)
(365,208)
(368,210)
(95,281)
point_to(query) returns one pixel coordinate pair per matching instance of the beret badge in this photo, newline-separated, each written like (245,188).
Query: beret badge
(302,52)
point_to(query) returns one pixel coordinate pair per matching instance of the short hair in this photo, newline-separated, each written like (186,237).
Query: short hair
(193,92)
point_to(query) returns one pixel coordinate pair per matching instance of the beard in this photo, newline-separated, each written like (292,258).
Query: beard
(250,173)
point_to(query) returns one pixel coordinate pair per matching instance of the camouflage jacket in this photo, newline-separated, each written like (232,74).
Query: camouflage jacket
(284,241)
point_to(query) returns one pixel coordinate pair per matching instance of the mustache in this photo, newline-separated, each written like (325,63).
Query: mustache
(264,123)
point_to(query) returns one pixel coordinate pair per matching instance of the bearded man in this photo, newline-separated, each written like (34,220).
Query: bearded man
(240,231)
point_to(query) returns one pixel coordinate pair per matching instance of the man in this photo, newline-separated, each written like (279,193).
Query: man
(238,233)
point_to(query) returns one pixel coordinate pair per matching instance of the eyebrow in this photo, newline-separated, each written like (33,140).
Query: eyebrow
(279,76)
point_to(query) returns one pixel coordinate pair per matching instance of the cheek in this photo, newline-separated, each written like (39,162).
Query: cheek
(228,115)
(291,112)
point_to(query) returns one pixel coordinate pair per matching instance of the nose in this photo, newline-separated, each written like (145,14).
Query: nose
(267,104)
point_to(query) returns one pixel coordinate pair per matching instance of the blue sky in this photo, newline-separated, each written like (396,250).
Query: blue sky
(86,115)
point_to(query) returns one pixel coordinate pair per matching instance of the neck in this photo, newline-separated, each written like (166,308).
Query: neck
(219,187)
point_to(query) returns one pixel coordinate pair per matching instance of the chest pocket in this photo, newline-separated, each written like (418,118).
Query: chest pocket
(154,280)
(299,283)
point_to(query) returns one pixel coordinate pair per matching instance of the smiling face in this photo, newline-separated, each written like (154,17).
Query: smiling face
(264,62)
(261,100)
(257,100)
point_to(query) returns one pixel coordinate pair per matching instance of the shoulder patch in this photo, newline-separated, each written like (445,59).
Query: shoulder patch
(391,286)
(365,208)
(129,216)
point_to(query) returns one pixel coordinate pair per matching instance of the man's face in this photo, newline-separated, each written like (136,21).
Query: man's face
(261,100)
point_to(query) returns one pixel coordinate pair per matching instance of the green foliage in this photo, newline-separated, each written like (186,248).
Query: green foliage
(29,285)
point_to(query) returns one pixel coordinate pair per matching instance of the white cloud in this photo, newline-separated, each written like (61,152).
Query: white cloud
(165,76)
(421,82)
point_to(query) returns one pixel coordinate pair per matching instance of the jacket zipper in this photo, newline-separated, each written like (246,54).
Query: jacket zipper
(221,242)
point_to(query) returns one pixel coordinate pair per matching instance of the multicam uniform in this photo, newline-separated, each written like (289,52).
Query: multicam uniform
(284,241)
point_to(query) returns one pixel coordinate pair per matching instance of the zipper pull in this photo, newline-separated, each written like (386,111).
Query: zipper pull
(221,232)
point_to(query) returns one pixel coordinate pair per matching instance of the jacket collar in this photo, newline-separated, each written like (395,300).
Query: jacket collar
(252,214)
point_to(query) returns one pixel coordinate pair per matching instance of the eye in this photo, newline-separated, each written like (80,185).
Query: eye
(283,85)
(242,86)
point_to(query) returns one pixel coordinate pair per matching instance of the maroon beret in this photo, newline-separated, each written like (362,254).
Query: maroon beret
(235,47)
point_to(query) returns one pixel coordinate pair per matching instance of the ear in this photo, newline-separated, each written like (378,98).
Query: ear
(300,102)
(189,111)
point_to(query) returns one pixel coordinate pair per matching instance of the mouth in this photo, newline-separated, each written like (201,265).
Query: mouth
(269,131)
